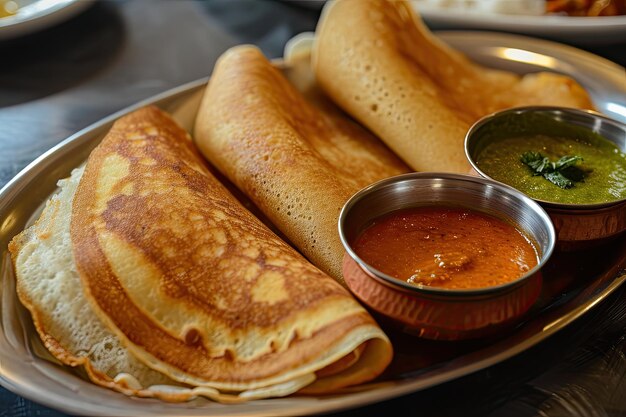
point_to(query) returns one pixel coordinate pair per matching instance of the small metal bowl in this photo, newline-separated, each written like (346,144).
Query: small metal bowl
(577,225)
(438,313)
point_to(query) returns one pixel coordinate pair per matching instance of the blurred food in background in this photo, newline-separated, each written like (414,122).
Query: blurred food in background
(587,7)
(534,7)
(8,8)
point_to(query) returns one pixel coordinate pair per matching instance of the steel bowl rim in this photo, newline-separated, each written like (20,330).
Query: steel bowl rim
(428,291)
(548,110)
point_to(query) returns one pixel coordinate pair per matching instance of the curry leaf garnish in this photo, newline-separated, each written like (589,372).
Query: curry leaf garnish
(567,161)
(560,173)
(537,162)
(558,179)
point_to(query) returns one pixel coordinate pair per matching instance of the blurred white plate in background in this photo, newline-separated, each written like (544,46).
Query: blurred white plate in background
(580,30)
(34,15)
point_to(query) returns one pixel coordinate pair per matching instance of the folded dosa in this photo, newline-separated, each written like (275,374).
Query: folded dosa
(377,60)
(299,163)
(49,286)
(199,289)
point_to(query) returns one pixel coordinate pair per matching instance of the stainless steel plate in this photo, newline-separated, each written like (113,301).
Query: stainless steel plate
(572,285)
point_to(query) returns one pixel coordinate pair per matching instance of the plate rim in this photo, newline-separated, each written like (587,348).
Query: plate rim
(352,400)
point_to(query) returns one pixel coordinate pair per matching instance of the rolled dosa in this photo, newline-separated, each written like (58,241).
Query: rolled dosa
(199,289)
(297,162)
(377,60)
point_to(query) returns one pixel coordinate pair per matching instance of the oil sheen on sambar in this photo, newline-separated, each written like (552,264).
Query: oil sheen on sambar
(446,247)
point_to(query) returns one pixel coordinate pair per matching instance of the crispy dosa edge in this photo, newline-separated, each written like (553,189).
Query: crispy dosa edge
(41,228)
(187,360)
(297,162)
(379,62)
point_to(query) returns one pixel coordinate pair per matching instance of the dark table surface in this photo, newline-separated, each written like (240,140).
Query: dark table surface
(56,82)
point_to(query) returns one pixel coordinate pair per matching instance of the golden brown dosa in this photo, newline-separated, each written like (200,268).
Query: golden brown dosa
(377,60)
(49,286)
(297,162)
(198,288)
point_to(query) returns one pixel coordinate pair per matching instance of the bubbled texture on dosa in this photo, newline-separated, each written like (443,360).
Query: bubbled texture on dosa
(194,284)
(49,286)
(299,163)
(379,62)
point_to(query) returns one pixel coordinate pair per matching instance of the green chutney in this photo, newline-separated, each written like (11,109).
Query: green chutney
(603,164)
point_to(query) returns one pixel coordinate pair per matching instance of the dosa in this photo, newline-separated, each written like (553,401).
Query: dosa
(193,287)
(377,60)
(297,162)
